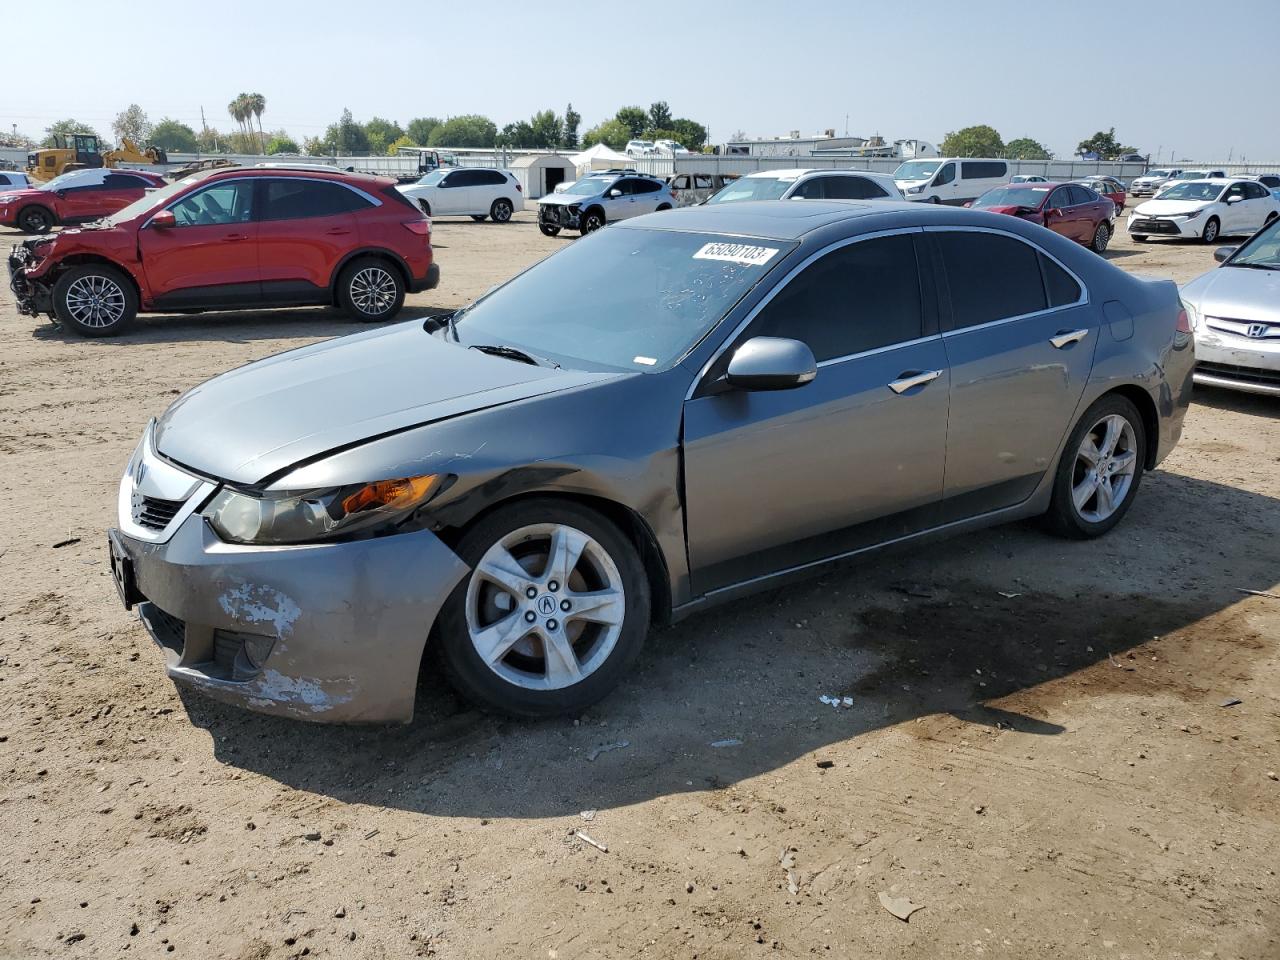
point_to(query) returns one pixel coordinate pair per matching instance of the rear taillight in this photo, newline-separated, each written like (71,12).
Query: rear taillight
(519,189)
(421,227)
(1184,323)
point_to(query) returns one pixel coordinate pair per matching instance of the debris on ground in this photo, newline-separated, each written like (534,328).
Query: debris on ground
(587,815)
(826,764)
(603,848)
(726,743)
(836,702)
(1252,593)
(1230,702)
(900,907)
(66,543)
(913,590)
(1008,596)
(605,748)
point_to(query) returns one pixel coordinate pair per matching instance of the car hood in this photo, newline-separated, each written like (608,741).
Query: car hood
(564,199)
(1167,208)
(1236,293)
(260,419)
(27,193)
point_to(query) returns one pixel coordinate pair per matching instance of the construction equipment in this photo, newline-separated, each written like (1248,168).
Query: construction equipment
(79,151)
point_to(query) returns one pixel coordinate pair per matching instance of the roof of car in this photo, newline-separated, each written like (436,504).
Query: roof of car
(773,219)
(794,172)
(364,179)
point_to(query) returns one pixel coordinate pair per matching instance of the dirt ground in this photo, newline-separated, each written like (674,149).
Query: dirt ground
(1039,751)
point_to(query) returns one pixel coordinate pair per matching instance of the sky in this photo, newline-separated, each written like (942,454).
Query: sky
(1053,71)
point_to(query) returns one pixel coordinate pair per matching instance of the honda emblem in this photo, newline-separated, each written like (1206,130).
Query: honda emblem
(1257,330)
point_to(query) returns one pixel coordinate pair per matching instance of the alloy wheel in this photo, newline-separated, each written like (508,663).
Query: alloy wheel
(1211,231)
(35,221)
(1104,468)
(95,301)
(1101,237)
(501,211)
(373,291)
(545,606)
(592,223)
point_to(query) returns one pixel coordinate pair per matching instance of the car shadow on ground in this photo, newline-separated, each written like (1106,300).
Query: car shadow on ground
(236,326)
(1237,401)
(733,693)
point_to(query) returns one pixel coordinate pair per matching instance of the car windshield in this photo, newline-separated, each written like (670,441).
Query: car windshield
(152,198)
(1263,250)
(917,169)
(1190,175)
(432,178)
(752,188)
(1192,191)
(587,188)
(1158,173)
(1012,197)
(621,299)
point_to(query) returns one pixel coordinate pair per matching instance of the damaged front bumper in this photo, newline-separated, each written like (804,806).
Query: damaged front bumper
(32,296)
(558,215)
(331,632)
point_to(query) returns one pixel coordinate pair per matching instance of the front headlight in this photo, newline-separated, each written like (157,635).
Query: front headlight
(1193,317)
(311,516)
(919,189)
(1189,216)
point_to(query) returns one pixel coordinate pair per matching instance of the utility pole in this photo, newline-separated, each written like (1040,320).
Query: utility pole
(204,128)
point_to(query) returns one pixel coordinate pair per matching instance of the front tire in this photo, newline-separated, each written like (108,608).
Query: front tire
(95,300)
(549,230)
(1101,237)
(1212,230)
(553,614)
(1100,470)
(592,221)
(501,210)
(370,290)
(35,220)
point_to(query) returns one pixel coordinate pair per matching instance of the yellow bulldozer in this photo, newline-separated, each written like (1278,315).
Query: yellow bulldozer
(79,151)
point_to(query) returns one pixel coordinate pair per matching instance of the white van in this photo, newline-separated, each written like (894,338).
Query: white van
(950,180)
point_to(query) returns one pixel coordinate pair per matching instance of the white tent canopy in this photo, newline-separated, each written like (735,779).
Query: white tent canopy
(599,157)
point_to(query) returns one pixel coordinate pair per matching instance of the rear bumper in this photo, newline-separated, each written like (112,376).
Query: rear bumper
(429,282)
(327,632)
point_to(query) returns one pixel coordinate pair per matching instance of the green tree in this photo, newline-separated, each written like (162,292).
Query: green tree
(382,133)
(239,110)
(280,142)
(173,136)
(313,146)
(689,133)
(979,141)
(660,116)
(64,127)
(518,135)
(404,141)
(547,130)
(17,141)
(1104,145)
(346,137)
(612,133)
(1024,148)
(132,123)
(634,119)
(211,140)
(255,105)
(569,135)
(468,130)
(419,129)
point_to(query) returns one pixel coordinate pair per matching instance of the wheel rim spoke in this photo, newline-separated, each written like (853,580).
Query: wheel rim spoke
(563,667)
(1089,452)
(495,642)
(505,571)
(1106,497)
(1114,426)
(1084,490)
(599,606)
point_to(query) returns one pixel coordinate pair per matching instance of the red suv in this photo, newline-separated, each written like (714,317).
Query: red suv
(233,239)
(1071,209)
(76,197)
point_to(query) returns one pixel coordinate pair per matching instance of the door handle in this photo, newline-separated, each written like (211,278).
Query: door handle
(1065,338)
(338,232)
(908,379)
(233,237)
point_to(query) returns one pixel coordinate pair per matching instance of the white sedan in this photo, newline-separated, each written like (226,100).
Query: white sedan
(1205,210)
(473,192)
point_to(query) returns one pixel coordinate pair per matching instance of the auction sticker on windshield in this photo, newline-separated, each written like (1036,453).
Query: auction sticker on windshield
(736,253)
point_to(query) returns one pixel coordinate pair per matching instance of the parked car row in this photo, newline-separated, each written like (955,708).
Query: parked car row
(1205,209)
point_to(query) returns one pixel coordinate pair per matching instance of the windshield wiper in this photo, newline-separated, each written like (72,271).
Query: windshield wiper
(1256,266)
(513,353)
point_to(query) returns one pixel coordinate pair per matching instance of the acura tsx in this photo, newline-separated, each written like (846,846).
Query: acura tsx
(673,412)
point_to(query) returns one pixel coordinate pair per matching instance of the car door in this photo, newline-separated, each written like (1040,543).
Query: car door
(1257,200)
(121,190)
(781,478)
(944,183)
(209,257)
(1020,336)
(306,228)
(1091,209)
(452,194)
(82,198)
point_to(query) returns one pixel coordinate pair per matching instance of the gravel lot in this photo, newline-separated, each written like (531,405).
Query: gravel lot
(1038,753)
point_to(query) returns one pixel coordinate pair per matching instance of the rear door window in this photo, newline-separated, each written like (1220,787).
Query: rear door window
(646,186)
(991,277)
(1060,285)
(854,188)
(983,169)
(298,199)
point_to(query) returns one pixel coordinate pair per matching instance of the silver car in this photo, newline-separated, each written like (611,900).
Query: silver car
(590,203)
(667,415)
(1235,312)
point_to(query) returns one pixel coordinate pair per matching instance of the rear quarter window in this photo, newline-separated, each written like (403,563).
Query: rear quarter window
(983,169)
(991,277)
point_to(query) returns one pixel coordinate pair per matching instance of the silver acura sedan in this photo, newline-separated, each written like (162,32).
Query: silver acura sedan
(1235,312)
(668,414)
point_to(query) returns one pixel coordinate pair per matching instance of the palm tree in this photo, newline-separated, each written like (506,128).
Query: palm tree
(256,104)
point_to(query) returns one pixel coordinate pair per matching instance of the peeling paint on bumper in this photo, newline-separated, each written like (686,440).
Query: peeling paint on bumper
(327,632)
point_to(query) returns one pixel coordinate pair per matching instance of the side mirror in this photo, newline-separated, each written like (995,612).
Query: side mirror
(771,363)
(62,194)
(164,219)
(1223,254)
(615,193)
(1235,199)
(1052,212)
(968,203)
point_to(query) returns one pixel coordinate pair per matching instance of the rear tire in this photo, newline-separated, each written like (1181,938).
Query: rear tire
(543,658)
(501,210)
(1212,230)
(1101,237)
(1100,470)
(35,220)
(1139,237)
(370,290)
(95,300)
(426,207)
(665,206)
(548,230)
